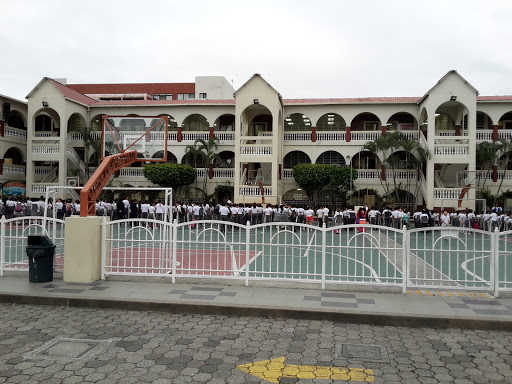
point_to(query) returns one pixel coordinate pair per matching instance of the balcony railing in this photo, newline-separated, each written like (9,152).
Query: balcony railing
(225,136)
(364,136)
(287,173)
(193,136)
(256,150)
(223,173)
(331,136)
(131,172)
(41,187)
(14,170)
(46,149)
(448,194)
(15,132)
(370,174)
(297,136)
(451,150)
(42,171)
(255,191)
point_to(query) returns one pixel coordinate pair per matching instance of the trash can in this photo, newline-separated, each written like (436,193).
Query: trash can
(40,252)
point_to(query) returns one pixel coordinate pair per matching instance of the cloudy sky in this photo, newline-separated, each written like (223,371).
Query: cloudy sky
(305,48)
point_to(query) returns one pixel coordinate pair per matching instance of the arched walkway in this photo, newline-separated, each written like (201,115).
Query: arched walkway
(294,158)
(297,122)
(331,157)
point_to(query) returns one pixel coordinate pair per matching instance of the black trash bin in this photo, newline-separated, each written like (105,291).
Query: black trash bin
(40,252)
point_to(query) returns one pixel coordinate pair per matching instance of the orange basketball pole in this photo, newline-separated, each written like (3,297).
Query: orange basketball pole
(100,178)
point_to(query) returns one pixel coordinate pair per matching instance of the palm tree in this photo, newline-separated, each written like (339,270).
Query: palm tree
(207,151)
(503,153)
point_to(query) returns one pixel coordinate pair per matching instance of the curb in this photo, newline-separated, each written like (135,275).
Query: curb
(371,318)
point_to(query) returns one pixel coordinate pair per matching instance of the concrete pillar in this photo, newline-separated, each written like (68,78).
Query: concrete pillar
(211,133)
(210,171)
(347,135)
(313,134)
(1,166)
(457,129)
(2,128)
(82,249)
(383,172)
(179,134)
(494,132)
(494,173)
(383,129)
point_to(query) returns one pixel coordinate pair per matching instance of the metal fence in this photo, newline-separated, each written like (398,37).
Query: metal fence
(13,240)
(426,258)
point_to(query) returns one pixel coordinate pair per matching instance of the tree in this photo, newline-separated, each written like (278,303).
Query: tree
(206,150)
(312,178)
(341,181)
(170,175)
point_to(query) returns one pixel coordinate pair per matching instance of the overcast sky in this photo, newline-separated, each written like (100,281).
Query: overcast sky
(305,48)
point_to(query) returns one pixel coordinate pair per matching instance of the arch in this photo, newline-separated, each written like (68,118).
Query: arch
(254,119)
(197,162)
(331,122)
(365,160)
(365,121)
(227,159)
(76,122)
(16,120)
(297,122)
(296,196)
(294,158)
(450,114)
(95,123)
(331,157)
(401,121)
(505,121)
(170,156)
(15,154)
(195,122)
(400,160)
(172,124)
(483,120)
(225,122)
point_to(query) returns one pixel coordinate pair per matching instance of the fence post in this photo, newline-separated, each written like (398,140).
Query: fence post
(405,259)
(2,245)
(495,262)
(103,247)
(324,238)
(247,252)
(174,249)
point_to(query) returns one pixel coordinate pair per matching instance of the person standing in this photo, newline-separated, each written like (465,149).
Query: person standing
(320,216)
(445,219)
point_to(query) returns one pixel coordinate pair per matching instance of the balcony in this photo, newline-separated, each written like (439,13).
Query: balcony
(41,187)
(364,136)
(261,150)
(448,194)
(297,136)
(453,150)
(46,149)
(15,171)
(255,191)
(486,134)
(15,133)
(331,136)
(371,174)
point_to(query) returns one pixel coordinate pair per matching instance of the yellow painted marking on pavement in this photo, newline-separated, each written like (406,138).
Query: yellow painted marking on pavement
(440,294)
(429,293)
(418,292)
(484,295)
(460,294)
(449,294)
(472,295)
(273,370)
(408,292)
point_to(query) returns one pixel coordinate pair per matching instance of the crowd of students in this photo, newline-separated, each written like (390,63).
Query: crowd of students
(123,208)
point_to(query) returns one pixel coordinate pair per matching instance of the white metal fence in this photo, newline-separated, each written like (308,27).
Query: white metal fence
(13,240)
(426,258)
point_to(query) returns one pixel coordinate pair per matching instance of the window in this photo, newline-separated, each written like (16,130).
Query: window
(371,126)
(507,124)
(162,96)
(202,96)
(186,96)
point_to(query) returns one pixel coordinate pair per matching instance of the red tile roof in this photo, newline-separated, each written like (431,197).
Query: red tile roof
(150,88)
(162,102)
(72,94)
(494,98)
(354,100)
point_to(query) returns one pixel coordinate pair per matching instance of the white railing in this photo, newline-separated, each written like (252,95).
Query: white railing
(484,135)
(42,171)
(451,150)
(399,174)
(368,174)
(225,136)
(255,150)
(297,136)
(255,191)
(448,194)
(354,254)
(41,187)
(14,170)
(201,172)
(410,135)
(159,136)
(46,149)
(423,185)
(193,136)
(287,173)
(131,172)
(45,134)
(13,241)
(223,173)
(71,153)
(364,136)
(75,136)
(331,136)
(15,132)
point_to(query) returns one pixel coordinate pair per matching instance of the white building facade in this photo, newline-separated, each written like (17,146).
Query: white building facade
(262,136)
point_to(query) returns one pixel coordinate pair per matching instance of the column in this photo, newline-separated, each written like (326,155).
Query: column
(313,134)
(211,133)
(347,135)
(1,166)
(210,171)
(457,129)
(383,172)
(384,130)
(494,132)
(2,128)
(179,134)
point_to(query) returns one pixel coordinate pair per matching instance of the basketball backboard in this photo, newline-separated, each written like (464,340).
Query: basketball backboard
(145,134)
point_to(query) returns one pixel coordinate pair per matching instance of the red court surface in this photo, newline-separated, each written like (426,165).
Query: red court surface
(189,261)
